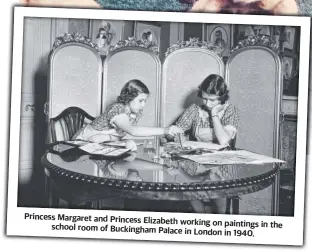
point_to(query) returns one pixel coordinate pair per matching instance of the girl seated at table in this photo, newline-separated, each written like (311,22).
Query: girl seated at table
(214,121)
(121,118)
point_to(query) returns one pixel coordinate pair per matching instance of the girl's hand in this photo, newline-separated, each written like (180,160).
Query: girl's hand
(131,157)
(173,130)
(216,109)
(130,144)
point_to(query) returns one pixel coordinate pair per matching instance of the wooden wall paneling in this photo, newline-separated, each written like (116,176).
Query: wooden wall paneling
(36,47)
(81,26)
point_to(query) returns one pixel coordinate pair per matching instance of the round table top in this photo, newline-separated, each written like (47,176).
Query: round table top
(142,172)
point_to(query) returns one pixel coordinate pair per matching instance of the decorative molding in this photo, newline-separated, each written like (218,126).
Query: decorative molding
(132,42)
(73,37)
(256,40)
(194,43)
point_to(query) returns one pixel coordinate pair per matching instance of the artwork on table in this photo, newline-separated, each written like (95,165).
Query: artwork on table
(289,33)
(148,32)
(220,35)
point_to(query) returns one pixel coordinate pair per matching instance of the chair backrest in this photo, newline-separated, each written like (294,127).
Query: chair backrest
(67,123)
(254,76)
(75,75)
(132,59)
(186,65)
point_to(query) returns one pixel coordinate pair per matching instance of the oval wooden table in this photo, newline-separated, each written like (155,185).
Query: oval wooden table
(80,178)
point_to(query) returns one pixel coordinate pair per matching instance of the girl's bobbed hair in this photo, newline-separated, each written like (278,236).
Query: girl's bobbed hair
(214,84)
(131,90)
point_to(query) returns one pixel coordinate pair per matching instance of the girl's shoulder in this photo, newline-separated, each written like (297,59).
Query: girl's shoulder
(116,108)
(231,110)
(194,107)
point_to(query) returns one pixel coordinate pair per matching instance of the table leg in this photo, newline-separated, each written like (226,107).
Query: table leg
(51,200)
(235,203)
(48,190)
(275,193)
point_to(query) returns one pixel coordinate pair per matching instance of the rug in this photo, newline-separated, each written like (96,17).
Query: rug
(305,6)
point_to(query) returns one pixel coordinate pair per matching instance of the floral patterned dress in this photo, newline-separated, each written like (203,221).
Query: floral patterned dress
(198,123)
(103,128)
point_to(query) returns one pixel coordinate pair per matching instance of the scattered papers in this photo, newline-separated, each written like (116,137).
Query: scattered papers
(120,143)
(116,143)
(99,149)
(203,145)
(77,142)
(232,157)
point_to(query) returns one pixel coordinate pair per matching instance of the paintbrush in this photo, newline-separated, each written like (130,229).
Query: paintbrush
(180,141)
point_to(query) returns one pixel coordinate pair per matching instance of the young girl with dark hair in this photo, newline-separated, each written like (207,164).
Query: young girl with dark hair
(216,120)
(121,117)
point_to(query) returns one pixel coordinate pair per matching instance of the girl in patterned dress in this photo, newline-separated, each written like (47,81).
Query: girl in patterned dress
(216,120)
(121,118)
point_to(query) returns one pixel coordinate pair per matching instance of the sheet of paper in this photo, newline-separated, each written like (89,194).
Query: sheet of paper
(77,142)
(121,143)
(95,148)
(99,149)
(203,145)
(232,157)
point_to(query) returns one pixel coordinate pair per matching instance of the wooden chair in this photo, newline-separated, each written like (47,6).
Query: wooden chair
(63,127)
(70,121)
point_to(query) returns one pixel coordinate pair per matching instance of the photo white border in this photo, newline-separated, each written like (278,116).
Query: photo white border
(293,227)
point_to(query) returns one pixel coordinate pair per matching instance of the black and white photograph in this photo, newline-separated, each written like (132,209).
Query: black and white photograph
(147,32)
(290,37)
(220,35)
(159,125)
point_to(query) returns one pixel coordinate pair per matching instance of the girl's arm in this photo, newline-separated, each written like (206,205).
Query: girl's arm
(222,135)
(123,123)
(225,130)
(185,121)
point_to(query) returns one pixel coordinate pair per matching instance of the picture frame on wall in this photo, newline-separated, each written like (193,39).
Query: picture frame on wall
(242,32)
(290,76)
(287,67)
(290,33)
(105,33)
(148,32)
(220,35)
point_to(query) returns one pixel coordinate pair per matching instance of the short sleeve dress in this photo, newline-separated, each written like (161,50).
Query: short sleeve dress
(103,128)
(197,121)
